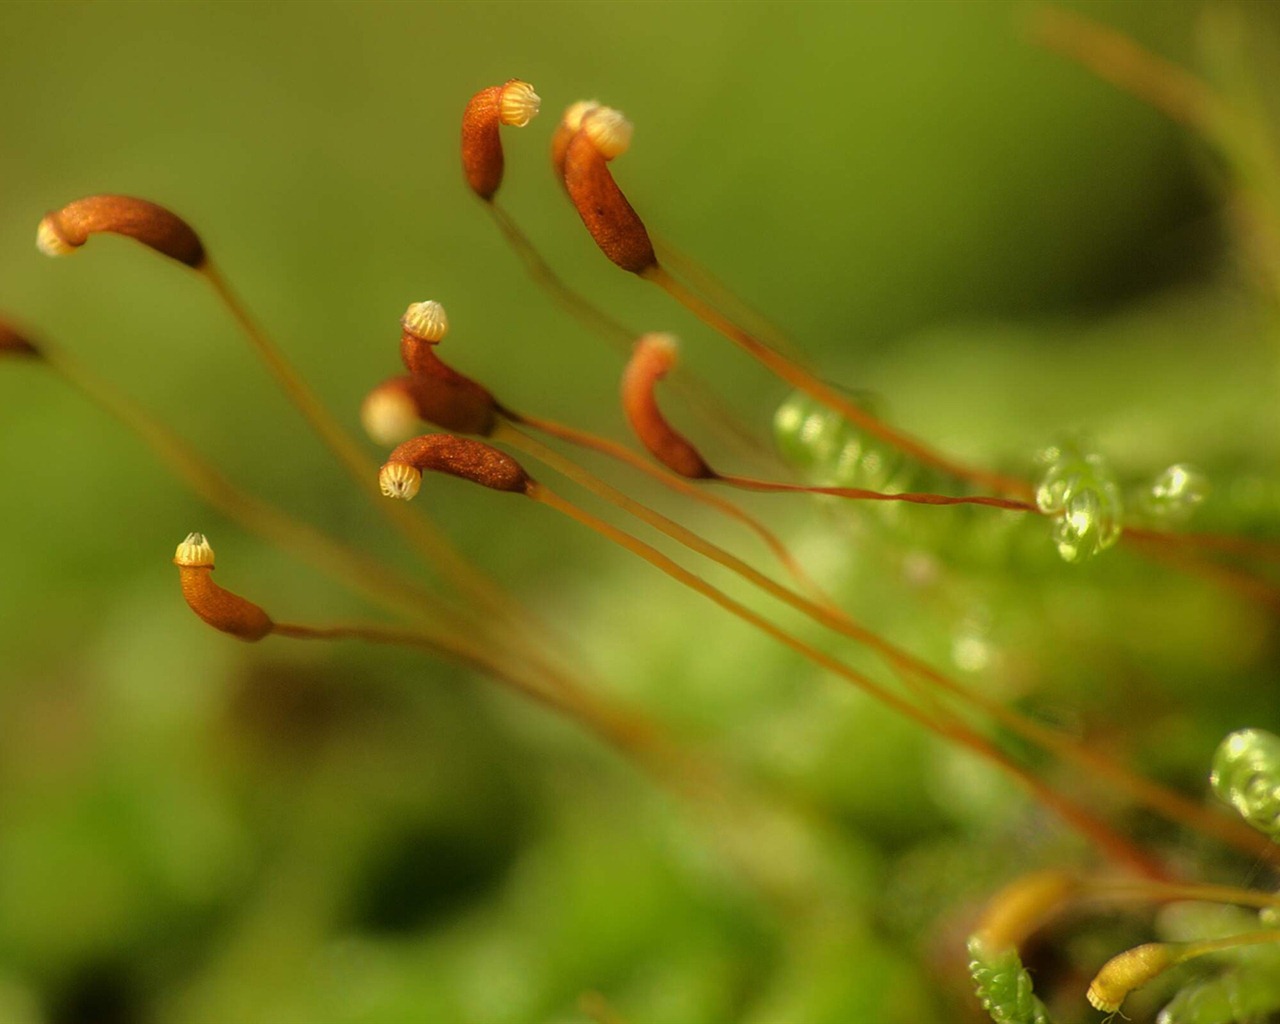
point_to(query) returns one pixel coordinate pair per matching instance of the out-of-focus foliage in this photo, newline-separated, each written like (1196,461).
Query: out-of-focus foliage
(1004,987)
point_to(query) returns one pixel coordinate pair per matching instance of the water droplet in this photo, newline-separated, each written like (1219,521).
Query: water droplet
(1080,492)
(1246,774)
(830,450)
(1176,493)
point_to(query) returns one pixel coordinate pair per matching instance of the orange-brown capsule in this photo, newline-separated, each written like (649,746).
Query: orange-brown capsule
(451,401)
(1128,971)
(440,394)
(570,122)
(394,410)
(401,476)
(514,103)
(220,608)
(615,226)
(65,230)
(14,344)
(653,356)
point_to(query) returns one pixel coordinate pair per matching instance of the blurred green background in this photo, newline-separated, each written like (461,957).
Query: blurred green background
(1000,246)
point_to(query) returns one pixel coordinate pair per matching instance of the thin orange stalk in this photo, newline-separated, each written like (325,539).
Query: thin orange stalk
(577,305)
(628,731)
(863,494)
(1110,842)
(397,593)
(653,357)
(800,378)
(237,616)
(1117,59)
(1247,546)
(1234,580)
(63,231)
(1162,892)
(425,538)
(720,295)
(1166,802)
(428,541)
(614,450)
(692,388)
(388,587)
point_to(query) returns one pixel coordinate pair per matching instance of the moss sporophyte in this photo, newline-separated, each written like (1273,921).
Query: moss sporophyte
(833,450)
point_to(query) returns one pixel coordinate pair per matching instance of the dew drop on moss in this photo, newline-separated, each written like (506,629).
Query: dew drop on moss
(828,449)
(1176,493)
(1079,491)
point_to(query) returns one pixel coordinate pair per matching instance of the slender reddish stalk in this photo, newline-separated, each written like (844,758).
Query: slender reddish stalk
(65,230)
(798,377)
(863,494)
(1235,581)
(1117,59)
(399,594)
(395,591)
(1113,891)
(428,541)
(1245,546)
(448,399)
(1164,801)
(620,453)
(653,357)
(574,303)
(1108,841)
(622,236)
(716,292)
(401,476)
(693,389)
(627,730)
(237,616)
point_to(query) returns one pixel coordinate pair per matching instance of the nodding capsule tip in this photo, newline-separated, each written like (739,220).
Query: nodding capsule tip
(1101,1000)
(653,357)
(462,457)
(389,414)
(519,104)
(194,553)
(661,345)
(399,480)
(426,321)
(1129,971)
(609,130)
(571,119)
(583,163)
(221,609)
(65,230)
(49,241)
(570,122)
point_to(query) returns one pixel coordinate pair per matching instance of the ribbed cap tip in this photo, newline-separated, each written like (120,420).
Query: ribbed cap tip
(194,552)
(660,343)
(519,104)
(49,239)
(609,131)
(426,321)
(399,480)
(572,117)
